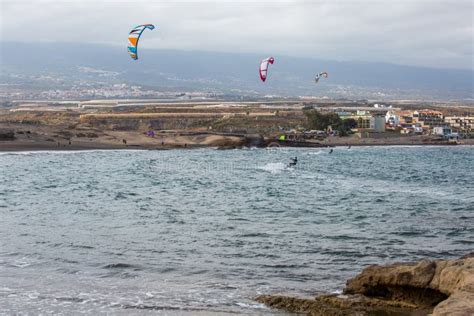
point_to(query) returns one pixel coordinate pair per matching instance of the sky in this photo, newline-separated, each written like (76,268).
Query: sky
(432,33)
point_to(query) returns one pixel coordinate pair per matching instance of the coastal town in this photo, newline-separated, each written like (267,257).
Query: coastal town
(382,119)
(205,120)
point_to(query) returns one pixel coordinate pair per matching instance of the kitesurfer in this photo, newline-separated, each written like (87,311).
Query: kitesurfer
(293,162)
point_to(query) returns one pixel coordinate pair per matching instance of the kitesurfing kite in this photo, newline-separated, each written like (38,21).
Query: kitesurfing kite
(321,74)
(264,67)
(133,38)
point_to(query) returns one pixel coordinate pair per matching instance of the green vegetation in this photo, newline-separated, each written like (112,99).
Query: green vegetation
(346,126)
(321,121)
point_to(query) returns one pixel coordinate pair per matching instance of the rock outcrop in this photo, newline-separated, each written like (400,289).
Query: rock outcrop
(254,140)
(7,134)
(342,305)
(441,287)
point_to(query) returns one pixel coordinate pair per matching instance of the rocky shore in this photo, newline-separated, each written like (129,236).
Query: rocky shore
(438,288)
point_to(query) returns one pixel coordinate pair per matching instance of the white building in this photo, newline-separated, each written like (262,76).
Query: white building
(441,130)
(392,118)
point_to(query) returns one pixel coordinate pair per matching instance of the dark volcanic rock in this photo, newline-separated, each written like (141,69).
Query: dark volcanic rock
(6,134)
(254,140)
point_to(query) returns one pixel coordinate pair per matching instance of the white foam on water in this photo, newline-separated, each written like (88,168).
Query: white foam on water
(319,152)
(274,167)
(253,306)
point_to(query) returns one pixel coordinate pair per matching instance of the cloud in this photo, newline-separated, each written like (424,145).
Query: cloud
(418,32)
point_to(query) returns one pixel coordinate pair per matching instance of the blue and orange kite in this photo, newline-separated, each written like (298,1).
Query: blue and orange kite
(133,38)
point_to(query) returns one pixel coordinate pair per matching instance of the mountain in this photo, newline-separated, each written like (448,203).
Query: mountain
(229,72)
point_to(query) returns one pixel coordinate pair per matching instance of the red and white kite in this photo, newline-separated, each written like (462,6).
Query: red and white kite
(264,67)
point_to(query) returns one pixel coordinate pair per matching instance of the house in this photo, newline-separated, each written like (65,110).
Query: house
(405,117)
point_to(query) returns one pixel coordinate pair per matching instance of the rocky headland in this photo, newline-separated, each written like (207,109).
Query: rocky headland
(428,287)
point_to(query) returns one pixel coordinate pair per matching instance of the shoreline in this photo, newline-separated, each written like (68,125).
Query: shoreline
(18,137)
(12,146)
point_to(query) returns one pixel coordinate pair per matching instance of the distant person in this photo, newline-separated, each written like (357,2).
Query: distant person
(293,162)
(124,141)
(331,151)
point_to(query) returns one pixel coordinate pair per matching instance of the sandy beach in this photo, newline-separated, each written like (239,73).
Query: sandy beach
(27,138)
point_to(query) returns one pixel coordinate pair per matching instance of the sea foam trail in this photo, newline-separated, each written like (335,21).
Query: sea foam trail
(274,167)
(319,152)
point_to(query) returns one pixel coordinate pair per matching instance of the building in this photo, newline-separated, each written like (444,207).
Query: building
(442,131)
(392,119)
(428,118)
(364,119)
(382,106)
(405,117)
(379,124)
(461,124)
(411,129)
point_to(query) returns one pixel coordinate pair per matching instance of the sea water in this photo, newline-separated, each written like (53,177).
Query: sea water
(187,232)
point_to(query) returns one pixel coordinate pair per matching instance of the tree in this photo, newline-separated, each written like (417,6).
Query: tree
(349,123)
(345,127)
(321,121)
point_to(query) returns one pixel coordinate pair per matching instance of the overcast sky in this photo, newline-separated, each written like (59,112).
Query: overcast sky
(414,32)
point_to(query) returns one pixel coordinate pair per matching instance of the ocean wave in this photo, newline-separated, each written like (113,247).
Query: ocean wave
(122,266)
